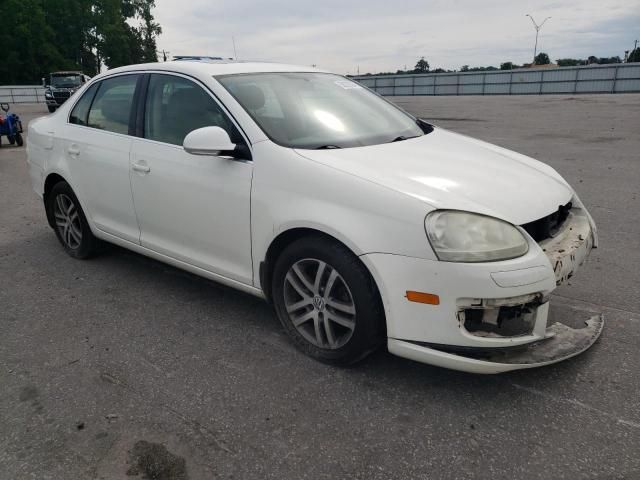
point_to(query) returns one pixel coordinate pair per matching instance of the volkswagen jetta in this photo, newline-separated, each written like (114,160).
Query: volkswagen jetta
(362,225)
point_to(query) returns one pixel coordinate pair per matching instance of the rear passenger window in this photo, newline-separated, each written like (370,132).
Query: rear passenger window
(177,106)
(112,104)
(81,110)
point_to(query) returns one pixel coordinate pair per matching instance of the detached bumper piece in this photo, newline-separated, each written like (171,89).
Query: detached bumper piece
(560,343)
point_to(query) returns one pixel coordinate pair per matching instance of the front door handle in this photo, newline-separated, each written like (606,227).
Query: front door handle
(141,167)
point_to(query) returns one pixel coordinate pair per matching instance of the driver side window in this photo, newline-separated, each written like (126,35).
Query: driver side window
(176,106)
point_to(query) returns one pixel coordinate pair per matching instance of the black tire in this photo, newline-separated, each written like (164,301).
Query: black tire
(18,139)
(369,332)
(51,108)
(12,139)
(87,245)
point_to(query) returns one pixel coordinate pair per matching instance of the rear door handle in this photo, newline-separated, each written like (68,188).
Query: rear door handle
(73,150)
(141,167)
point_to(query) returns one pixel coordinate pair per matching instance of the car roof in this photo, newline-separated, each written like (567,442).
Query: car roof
(213,67)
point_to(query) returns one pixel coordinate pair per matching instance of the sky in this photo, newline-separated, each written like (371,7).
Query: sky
(386,35)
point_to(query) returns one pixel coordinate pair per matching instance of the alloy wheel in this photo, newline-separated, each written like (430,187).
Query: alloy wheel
(319,303)
(68,221)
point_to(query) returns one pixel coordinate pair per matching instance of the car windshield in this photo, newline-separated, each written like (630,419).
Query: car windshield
(319,110)
(65,81)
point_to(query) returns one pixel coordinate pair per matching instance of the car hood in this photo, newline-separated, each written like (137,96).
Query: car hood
(448,170)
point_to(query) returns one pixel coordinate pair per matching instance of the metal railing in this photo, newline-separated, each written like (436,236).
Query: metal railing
(612,78)
(22,94)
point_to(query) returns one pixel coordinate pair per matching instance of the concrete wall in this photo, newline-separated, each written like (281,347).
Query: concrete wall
(614,78)
(21,94)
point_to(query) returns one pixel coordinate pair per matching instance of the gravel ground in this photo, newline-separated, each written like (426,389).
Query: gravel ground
(122,367)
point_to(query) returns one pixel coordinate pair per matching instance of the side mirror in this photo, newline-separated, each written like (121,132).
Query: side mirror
(208,141)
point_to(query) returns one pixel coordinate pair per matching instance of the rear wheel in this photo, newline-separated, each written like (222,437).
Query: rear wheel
(71,226)
(327,301)
(18,139)
(12,139)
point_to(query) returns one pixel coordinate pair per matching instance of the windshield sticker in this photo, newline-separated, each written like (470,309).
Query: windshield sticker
(347,85)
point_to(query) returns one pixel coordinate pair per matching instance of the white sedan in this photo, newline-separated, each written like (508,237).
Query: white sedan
(362,225)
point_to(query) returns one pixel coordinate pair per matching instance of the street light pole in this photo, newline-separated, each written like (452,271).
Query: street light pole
(537,27)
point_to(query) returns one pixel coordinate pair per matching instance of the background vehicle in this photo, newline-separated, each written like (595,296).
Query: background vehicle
(10,126)
(59,86)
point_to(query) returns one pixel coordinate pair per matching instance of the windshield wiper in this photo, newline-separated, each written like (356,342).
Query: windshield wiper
(402,137)
(327,147)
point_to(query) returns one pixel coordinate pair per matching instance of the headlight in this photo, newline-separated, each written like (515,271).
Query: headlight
(48,95)
(469,237)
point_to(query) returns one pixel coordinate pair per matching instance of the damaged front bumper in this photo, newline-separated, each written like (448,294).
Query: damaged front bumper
(492,317)
(561,342)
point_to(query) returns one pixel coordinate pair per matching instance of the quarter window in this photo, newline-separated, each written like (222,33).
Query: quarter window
(81,109)
(111,108)
(176,106)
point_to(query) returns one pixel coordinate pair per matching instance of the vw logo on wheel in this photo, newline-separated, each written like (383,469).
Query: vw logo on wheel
(318,303)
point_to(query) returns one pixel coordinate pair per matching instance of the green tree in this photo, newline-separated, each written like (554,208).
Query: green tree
(607,60)
(569,62)
(507,66)
(634,56)
(149,30)
(29,49)
(41,36)
(542,59)
(422,66)
(73,24)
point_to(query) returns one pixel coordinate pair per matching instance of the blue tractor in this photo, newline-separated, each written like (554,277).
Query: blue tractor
(10,126)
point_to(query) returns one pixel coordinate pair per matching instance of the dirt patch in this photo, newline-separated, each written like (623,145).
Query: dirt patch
(154,462)
(28,393)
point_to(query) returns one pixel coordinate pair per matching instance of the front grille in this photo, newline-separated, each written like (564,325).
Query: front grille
(547,227)
(61,97)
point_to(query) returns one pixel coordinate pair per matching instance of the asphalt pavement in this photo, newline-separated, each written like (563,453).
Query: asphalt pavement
(121,367)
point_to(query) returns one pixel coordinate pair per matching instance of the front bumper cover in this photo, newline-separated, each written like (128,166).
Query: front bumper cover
(561,342)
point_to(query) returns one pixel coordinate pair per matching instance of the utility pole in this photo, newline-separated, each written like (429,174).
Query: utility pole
(235,55)
(537,27)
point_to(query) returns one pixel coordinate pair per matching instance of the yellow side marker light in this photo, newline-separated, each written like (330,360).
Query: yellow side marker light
(421,297)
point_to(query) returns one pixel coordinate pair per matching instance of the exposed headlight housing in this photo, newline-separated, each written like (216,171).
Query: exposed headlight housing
(457,236)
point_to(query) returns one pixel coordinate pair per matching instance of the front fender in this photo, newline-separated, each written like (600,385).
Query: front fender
(290,191)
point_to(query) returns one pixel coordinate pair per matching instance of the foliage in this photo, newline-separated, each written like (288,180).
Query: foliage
(467,68)
(41,36)
(570,62)
(422,66)
(607,60)
(542,59)
(573,62)
(508,66)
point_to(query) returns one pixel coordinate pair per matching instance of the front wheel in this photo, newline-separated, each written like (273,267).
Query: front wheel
(12,139)
(327,301)
(71,226)
(51,108)
(18,139)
